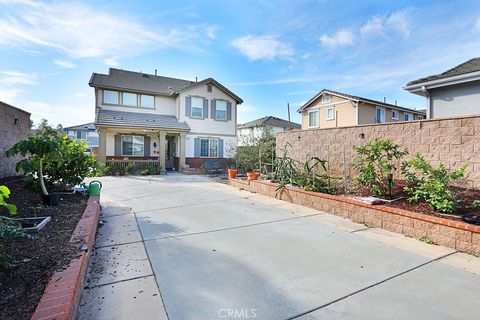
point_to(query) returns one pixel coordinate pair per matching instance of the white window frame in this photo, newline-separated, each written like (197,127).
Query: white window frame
(192,107)
(376,115)
(396,117)
(118,97)
(333,113)
(216,109)
(132,155)
(81,134)
(325,98)
(408,116)
(317,118)
(209,148)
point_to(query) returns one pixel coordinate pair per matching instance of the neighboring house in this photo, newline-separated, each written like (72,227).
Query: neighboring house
(257,128)
(330,109)
(455,92)
(84,132)
(144,117)
(15,125)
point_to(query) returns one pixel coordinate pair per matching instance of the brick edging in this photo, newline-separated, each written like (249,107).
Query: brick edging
(455,234)
(62,295)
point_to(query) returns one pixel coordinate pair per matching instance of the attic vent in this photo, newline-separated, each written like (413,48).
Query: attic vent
(209,87)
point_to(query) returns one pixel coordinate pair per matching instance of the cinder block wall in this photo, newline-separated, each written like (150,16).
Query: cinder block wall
(10,133)
(453,141)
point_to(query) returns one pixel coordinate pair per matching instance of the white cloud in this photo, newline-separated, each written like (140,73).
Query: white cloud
(211,31)
(263,48)
(380,25)
(111,62)
(477,25)
(14,77)
(341,38)
(56,114)
(82,31)
(374,26)
(9,95)
(65,64)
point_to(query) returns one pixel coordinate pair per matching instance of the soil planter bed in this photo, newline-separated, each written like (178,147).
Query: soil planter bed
(47,278)
(450,233)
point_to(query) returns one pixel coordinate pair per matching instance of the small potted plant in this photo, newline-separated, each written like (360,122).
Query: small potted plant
(232,173)
(252,175)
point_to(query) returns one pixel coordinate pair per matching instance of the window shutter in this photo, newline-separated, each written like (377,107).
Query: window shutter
(220,148)
(205,108)
(188,106)
(146,146)
(196,152)
(229,111)
(118,145)
(213,109)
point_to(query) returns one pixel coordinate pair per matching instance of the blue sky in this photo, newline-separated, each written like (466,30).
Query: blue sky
(267,52)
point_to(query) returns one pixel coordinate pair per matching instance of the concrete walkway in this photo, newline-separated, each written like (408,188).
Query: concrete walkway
(186,247)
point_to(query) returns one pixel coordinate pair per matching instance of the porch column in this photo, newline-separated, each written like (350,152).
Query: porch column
(181,145)
(102,145)
(161,150)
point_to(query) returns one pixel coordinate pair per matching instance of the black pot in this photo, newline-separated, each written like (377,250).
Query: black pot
(52,199)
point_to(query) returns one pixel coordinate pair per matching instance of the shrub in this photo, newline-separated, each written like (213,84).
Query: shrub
(375,161)
(256,152)
(8,228)
(130,168)
(54,160)
(111,169)
(430,184)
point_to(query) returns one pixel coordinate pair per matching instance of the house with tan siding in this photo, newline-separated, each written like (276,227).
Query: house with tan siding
(331,109)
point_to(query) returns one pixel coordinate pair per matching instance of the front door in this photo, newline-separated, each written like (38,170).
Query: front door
(169,152)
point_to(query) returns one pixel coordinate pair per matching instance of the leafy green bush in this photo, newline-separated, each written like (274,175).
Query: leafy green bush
(130,168)
(8,228)
(375,161)
(256,153)
(54,160)
(430,184)
(111,169)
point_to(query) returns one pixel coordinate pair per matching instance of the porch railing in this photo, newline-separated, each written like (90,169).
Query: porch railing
(139,164)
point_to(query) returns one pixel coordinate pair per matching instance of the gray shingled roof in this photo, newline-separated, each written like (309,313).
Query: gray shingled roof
(148,83)
(85,126)
(269,121)
(471,65)
(140,120)
(376,102)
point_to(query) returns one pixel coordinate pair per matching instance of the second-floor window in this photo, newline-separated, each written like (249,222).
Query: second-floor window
(82,135)
(221,110)
(111,97)
(394,115)
(313,119)
(128,99)
(330,113)
(408,117)
(197,107)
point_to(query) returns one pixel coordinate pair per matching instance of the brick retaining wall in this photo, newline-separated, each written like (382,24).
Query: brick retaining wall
(453,141)
(63,292)
(454,234)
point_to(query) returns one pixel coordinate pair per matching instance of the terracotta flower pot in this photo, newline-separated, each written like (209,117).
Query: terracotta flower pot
(232,173)
(253,175)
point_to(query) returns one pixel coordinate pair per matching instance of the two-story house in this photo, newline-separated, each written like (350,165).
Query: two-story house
(452,93)
(249,132)
(331,109)
(85,132)
(174,122)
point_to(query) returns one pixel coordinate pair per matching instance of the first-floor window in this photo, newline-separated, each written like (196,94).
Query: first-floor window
(408,117)
(132,145)
(209,148)
(394,115)
(81,135)
(313,119)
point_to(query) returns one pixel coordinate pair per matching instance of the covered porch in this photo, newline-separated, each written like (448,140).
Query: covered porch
(145,148)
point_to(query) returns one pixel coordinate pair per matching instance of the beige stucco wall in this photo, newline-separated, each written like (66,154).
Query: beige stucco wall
(367,114)
(451,141)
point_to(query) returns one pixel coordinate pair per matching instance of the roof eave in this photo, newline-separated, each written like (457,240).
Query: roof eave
(466,77)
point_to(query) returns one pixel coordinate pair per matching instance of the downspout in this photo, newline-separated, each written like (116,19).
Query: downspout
(429,104)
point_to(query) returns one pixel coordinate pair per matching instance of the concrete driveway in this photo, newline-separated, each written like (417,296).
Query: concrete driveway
(192,248)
